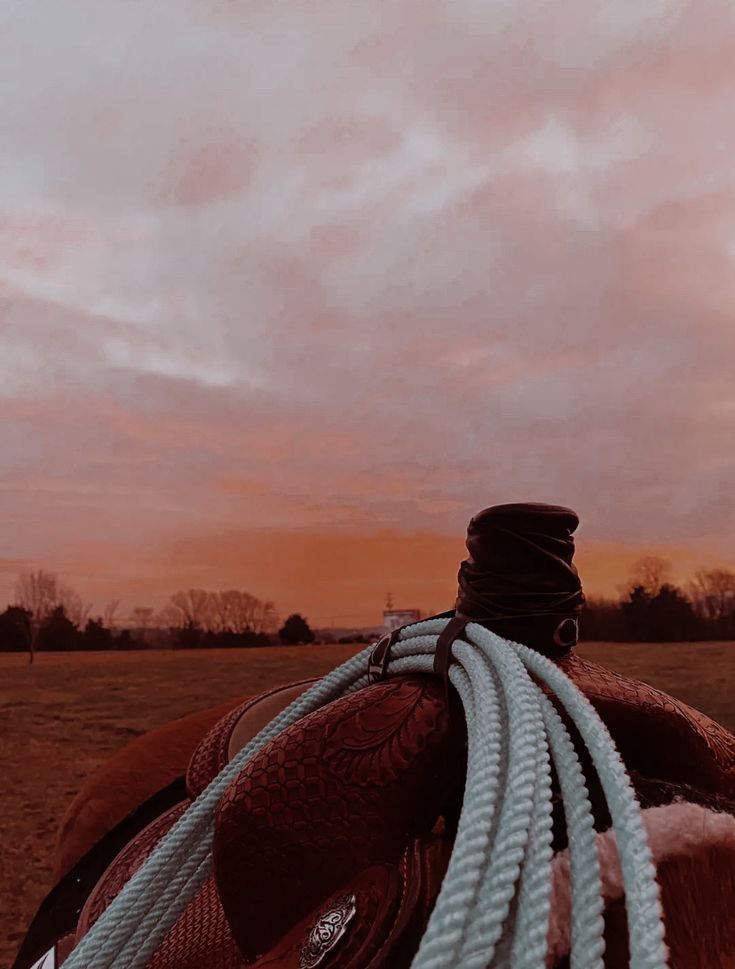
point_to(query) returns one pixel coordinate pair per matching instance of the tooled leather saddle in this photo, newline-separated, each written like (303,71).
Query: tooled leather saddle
(330,846)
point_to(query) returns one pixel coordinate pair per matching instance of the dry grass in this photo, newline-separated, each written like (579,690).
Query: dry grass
(68,713)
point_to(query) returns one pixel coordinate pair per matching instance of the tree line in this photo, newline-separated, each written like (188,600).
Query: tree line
(47,614)
(651,608)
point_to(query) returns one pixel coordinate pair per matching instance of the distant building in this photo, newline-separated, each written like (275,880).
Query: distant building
(394,618)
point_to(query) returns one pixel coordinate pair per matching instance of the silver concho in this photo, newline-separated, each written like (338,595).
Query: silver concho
(327,931)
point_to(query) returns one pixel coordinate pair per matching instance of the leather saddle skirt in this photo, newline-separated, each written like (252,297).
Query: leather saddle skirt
(331,844)
(332,822)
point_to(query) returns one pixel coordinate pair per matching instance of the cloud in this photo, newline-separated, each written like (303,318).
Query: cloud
(347,268)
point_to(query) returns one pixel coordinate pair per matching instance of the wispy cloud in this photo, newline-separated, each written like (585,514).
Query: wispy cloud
(324,266)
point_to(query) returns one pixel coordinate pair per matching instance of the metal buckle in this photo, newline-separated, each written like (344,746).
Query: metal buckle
(566,633)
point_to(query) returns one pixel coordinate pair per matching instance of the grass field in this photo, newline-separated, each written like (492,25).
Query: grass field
(64,716)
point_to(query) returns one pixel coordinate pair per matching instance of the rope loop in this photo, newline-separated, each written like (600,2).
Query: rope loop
(494,903)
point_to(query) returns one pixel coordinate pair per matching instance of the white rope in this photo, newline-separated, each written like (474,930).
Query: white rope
(492,911)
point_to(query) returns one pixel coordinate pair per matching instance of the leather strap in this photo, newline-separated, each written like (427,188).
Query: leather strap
(380,656)
(443,655)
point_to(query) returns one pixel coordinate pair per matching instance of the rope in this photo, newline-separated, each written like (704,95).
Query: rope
(493,907)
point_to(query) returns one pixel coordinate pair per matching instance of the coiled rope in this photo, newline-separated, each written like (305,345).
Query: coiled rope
(493,907)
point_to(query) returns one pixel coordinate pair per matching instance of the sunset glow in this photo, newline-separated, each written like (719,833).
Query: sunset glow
(290,291)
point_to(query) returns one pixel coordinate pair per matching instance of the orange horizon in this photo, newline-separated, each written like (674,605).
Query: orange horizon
(331,579)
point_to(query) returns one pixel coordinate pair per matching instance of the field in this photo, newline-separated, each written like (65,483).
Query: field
(64,716)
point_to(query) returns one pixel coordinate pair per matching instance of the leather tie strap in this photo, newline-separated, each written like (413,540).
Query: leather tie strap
(380,656)
(443,653)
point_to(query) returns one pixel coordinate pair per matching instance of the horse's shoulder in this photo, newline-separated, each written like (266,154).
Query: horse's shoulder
(130,777)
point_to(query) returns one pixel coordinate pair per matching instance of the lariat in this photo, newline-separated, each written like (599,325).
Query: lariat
(494,904)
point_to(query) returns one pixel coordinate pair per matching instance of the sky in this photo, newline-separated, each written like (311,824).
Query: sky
(290,290)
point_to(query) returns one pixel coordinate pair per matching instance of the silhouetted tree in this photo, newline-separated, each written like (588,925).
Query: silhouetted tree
(124,640)
(58,632)
(636,613)
(675,616)
(169,617)
(37,592)
(295,630)
(108,614)
(712,592)
(601,621)
(665,617)
(231,611)
(650,573)
(143,616)
(195,608)
(96,635)
(189,637)
(199,619)
(41,593)
(15,629)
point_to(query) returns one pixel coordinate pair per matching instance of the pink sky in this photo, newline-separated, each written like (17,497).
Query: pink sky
(290,291)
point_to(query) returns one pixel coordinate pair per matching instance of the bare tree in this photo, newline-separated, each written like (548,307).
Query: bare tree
(143,616)
(264,618)
(223,610)
(195,606)
(650,573)
(247,613)
(142,619)
(271,619)
(233,611)
(108,614)
(713,593)
(76,610)
(40,593)
(170,617)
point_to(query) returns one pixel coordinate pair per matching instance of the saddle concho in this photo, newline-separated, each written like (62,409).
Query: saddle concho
(327,931)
